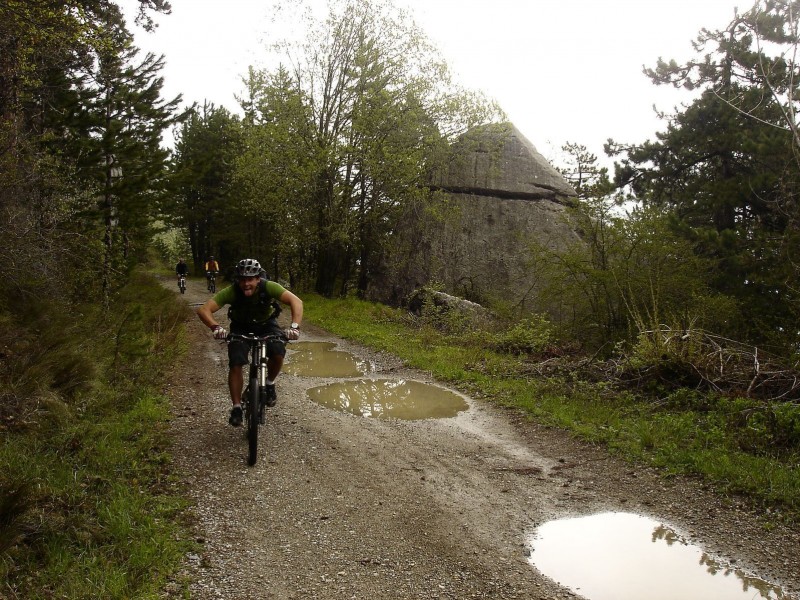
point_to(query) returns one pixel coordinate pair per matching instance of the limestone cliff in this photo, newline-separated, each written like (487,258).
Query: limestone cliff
(502,196)
(497,161)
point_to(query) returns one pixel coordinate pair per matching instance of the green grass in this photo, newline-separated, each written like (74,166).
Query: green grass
(88,506)
(711,442)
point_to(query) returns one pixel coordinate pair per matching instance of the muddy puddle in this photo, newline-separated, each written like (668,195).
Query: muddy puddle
(623,556)
(320,359)
(389,399)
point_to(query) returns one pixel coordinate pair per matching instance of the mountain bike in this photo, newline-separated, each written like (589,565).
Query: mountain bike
(182,283)
(254,397)
(212,281)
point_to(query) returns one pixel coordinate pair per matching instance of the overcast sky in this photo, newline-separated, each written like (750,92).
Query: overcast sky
(563,70)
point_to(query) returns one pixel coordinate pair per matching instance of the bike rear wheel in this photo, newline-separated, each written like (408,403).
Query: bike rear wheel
(252,421)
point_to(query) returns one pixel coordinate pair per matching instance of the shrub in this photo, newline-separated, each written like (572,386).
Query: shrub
(530,335)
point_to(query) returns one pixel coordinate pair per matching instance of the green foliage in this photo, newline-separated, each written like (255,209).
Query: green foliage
(763,428)
(206,207)
(628,274)
(530,335)
(80,123)
(275,173)
(77,453)
(340,149)
(84,463)
(587,178)
(726,167)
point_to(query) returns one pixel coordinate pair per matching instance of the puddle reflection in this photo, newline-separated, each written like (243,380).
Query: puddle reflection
(622,556)
(394,399)
(318,359)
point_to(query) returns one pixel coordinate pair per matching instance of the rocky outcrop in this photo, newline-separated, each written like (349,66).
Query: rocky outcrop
(497,161)
(502,198)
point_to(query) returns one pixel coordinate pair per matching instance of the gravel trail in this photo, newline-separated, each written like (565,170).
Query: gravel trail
(340,506)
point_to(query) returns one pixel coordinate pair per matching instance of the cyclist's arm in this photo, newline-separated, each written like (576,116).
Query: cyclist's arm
(212,305)
(295,305)
(206,313)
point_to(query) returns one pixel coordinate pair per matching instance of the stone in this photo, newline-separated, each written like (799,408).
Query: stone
(498,161)
(501,197)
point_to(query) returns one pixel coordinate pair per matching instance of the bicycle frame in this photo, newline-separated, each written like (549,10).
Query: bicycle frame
(182,282)
(252,403)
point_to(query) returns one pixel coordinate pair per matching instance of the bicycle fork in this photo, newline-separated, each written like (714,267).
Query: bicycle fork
(262,380)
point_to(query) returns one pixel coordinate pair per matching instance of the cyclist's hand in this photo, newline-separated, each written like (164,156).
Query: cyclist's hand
(293,334)
(220,333)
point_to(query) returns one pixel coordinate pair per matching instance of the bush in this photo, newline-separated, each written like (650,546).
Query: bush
(530,335)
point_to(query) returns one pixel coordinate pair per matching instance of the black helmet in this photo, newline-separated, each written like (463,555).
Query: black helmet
(248,267)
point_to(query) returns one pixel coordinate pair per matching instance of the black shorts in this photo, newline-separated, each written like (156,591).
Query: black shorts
(239,351)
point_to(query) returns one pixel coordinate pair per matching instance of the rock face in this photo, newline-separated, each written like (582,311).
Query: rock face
(506,198)
(502,197)
(497,161)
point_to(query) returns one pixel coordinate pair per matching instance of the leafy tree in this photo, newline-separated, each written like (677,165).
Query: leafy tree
(630,271)
(582,172)
(127,117)
(206,148)
(378,105)
(54,60)
(724,168)
(274,174)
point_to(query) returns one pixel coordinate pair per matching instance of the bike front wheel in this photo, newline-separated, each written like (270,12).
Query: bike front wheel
(252,421)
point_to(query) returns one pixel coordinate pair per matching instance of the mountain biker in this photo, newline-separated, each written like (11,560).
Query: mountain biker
(210,266)
(252,310)
(181,269)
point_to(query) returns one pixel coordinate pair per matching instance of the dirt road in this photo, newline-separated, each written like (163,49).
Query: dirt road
(348,507)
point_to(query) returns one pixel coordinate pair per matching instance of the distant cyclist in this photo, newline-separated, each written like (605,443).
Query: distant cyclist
(181,269)
(211,267)
(254,308)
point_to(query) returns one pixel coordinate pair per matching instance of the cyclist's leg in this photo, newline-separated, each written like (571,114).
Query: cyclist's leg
(276,351)
(236,384)
(274,366)
(237,358)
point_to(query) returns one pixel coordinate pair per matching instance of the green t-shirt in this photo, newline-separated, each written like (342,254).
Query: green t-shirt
(257,309)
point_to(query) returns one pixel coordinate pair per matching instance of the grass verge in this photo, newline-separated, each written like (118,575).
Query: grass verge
(88,506)
(707,438)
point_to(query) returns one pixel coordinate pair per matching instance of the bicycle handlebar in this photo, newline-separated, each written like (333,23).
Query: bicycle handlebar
(246,337)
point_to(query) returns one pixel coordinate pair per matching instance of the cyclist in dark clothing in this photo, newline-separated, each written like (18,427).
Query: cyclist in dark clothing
(181,269)
(253,310)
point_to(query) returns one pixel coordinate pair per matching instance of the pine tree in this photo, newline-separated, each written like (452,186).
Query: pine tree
(725,168)
(207,145)
(120,120)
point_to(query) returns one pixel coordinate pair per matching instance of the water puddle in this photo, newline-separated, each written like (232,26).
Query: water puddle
(622,556)
(318,359)
(389,399)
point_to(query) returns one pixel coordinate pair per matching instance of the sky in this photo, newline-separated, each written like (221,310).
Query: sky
(562,70)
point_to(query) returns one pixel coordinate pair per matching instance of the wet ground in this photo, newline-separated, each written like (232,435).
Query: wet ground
(345,505)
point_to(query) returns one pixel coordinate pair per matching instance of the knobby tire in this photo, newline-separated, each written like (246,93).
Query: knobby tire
(252,421)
